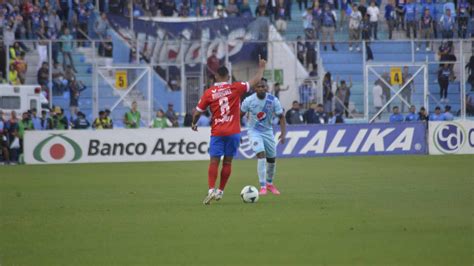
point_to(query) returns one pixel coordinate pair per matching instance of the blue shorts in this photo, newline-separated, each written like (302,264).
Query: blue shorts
(263,141)
(224,146)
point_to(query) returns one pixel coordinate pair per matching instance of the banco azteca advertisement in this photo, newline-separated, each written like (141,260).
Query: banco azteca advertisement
(118,145)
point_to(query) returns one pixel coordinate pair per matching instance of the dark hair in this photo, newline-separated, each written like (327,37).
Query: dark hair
(101,113)
(395,107)
(327,75)
(295,102)
(222,71)
(447,108)
(320,105)
(422,108)
(437,108)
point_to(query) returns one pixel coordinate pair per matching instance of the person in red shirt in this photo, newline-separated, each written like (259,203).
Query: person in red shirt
(224,101)
(213,63)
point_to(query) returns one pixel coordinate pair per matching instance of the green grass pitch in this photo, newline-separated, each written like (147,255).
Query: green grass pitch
(396,210)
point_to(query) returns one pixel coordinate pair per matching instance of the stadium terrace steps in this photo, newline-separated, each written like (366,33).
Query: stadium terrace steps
(345,64)
(84,69)
(82,56)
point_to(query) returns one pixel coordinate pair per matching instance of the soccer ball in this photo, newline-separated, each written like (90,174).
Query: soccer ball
(249,194)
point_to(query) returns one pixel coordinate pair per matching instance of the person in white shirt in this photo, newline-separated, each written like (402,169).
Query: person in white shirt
(378,97)
(307,19)
(219,12)
(374,14)
(354,27)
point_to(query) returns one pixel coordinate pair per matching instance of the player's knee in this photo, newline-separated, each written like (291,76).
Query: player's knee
(271,160)
(227,159)
(215,160)
(261,155)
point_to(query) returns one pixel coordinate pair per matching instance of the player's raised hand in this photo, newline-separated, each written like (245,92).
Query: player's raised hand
(261,62)
(281,139)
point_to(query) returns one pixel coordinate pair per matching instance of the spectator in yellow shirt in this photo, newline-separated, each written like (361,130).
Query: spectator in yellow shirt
(13,76)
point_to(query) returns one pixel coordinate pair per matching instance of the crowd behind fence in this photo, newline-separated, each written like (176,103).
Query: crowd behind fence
(62,76)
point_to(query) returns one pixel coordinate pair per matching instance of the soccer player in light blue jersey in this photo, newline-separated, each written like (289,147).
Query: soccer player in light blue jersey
(261,108)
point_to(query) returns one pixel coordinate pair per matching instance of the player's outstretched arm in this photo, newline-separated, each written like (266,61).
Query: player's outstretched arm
(196,116)
(259,75)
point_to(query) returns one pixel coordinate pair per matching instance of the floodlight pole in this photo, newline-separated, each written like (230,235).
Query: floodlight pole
(95,83)
(366,81)
(463,82)
(131,18)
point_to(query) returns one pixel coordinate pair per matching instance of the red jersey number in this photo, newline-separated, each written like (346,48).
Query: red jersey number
(224,101)
(225,111)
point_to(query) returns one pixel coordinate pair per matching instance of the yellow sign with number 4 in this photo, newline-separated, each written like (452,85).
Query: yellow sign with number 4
(396,76)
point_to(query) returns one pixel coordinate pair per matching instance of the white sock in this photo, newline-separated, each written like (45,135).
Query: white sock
(261,170)
(271,169)
(210,191)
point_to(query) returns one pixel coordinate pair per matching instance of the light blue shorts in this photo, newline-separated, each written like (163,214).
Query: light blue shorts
(263,141)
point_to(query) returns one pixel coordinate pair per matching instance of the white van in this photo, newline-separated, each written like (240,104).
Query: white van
(21,98)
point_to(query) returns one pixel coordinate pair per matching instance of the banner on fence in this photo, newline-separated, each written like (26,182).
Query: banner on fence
(454,137)
(181,144)
(347,139)
(118,145)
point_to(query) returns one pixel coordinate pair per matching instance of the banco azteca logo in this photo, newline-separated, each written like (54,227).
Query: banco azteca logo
(54,148)
(449,137)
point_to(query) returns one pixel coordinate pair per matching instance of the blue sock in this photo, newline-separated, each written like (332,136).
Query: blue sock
(261,170)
